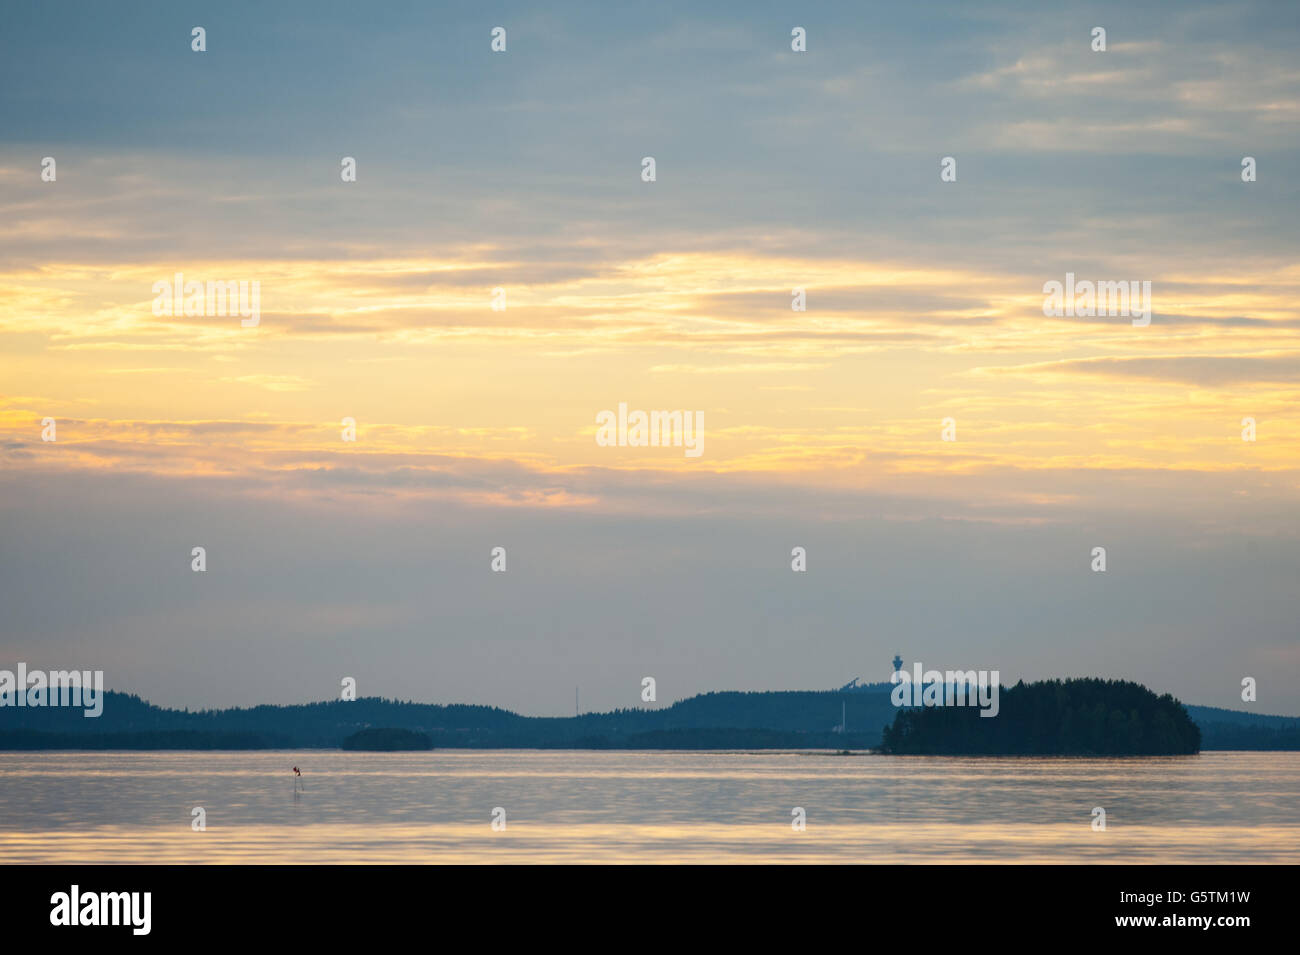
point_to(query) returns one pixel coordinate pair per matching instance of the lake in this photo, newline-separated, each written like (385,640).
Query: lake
(654,807)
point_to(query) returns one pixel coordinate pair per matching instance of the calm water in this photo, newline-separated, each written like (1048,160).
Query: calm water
(644,807)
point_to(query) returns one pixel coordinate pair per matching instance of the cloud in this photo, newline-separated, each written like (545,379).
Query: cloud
(1203,370)
(273,382)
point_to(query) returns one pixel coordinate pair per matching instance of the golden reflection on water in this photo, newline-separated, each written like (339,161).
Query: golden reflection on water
(652,807)
(699,843)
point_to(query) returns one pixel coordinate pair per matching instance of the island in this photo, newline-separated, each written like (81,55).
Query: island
(1084,717)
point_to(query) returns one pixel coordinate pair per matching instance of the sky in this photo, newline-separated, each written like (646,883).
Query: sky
(521,170)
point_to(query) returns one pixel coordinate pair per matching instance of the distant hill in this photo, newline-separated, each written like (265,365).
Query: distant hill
(1234,729)
(1213,714)
(327,724)
(157,739)
(780,719)
(386,739)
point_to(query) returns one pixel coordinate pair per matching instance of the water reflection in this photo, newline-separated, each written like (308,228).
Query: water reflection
(644,807)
